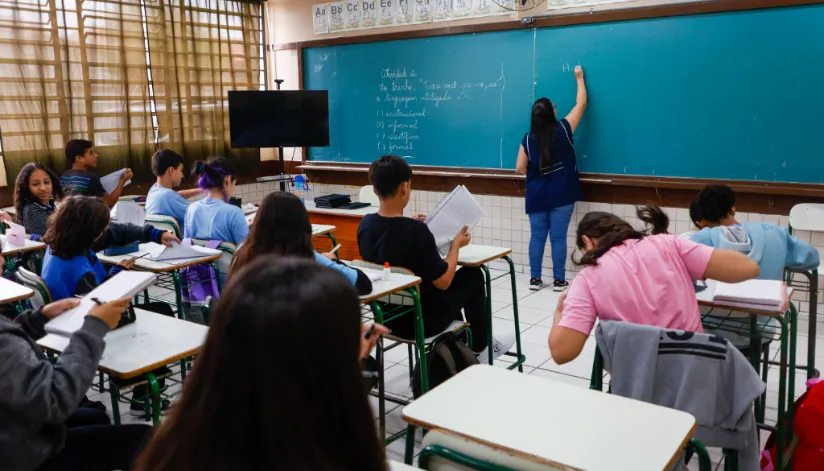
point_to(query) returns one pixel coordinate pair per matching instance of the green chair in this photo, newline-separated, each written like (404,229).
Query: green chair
(444,451)
(166,223)
(42,296)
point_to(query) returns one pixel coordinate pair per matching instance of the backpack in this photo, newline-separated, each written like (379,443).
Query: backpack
(808,428)
(198,284)
(448,356)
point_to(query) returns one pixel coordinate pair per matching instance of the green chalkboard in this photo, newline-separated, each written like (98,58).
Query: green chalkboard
(736,95)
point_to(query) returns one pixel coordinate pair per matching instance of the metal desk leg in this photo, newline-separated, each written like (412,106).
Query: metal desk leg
(378,312)
(782,384)
(114,393)
(178,295)
(488,287)
(154,395)
(813,313)
(519,363)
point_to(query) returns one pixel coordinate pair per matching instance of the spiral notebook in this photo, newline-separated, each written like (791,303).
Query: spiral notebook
(457,210)
(125,284)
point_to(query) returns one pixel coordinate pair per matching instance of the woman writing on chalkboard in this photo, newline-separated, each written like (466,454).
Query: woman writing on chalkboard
(547,158)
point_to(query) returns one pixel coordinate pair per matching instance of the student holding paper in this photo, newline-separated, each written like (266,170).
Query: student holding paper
(81,158)
(770,245)
(388,236)
(547,158)
(631,276)
(282,228)
(41,426)
(167,166)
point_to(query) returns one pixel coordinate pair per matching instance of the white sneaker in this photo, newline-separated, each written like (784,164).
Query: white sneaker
(500,345)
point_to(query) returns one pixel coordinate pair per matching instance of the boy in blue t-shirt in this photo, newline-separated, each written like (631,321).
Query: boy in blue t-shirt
(167,165)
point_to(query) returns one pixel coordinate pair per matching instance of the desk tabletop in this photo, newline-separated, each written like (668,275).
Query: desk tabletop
(154,266)
(152,341)
(11,249)
(11,292)
(10,210)
(358,213)
(396,282)
(705,298)
(321,229)
(477,255)
(554,423)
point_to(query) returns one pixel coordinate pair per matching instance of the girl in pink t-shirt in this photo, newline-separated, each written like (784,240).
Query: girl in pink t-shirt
(631,276)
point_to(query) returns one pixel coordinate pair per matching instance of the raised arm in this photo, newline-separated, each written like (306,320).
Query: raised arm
(574,116)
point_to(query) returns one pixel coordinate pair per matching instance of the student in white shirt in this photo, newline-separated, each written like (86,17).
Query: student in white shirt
(167,165)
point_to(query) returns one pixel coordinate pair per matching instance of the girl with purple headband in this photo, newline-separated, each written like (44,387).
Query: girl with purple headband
(213,218)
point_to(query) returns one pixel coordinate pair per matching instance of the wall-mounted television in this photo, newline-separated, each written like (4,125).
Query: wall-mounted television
(274,118)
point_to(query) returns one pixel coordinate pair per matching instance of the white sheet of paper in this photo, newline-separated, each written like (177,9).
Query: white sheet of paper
(111,180)
(16,234)
(770,293)
(373,275)
(179,251)
(128,213)
(124,284)
(457,210)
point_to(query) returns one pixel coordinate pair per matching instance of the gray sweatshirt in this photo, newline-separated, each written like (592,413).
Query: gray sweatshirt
(36,396)
(699,374)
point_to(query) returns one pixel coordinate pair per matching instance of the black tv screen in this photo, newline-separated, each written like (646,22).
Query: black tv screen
(274,118)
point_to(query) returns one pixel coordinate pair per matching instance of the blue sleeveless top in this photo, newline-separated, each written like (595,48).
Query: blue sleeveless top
(61,275)
(558,185)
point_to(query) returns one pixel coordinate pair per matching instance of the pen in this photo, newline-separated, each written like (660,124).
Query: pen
(145,254)
(336,248)
(370,331)
(98,302)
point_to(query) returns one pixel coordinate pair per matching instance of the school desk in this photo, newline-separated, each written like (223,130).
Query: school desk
(755,325)
(407,286)
(346,222)
(170,267)
(152,341)
(11,292)
(554,423)
(480,256)
(13,252)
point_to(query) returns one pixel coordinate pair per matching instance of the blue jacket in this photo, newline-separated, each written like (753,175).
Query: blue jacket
(769,245)
(66,277)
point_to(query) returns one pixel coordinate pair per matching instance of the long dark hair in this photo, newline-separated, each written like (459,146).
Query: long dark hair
(610,230)
(211,174)
(22,193)
(76,225)
(542,128)
(278,384)
(281,227)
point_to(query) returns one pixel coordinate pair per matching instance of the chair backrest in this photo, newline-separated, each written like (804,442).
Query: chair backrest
(42,296)
(367,195)
(466,451)
(166,223)
(225,260)
(807,217)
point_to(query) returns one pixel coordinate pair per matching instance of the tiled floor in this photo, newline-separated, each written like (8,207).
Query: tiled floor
(535,312)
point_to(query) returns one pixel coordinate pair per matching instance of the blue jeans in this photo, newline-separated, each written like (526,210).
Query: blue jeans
(554,223)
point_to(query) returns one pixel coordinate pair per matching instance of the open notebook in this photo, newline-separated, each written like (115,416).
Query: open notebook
(767,295)
(125,284)
(457,210)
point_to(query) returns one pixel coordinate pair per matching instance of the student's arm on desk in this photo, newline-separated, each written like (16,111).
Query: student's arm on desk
(461,240)
(800,255)
(729,266)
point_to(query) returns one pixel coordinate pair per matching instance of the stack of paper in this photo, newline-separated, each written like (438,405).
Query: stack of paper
(179,251)
(125,284)
(457,210)
(767,295)
(128,213)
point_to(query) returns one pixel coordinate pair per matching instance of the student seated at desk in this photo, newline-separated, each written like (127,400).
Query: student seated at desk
(213,218)
(41,426)
(306,410)
(388,236)
(78,180)
(167,166)
(282,228)
(80,226)
(36,191)
(639,278)
(770,245)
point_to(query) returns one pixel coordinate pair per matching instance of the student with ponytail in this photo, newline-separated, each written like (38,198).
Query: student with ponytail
(213,218)
(644,277)
(547,158)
